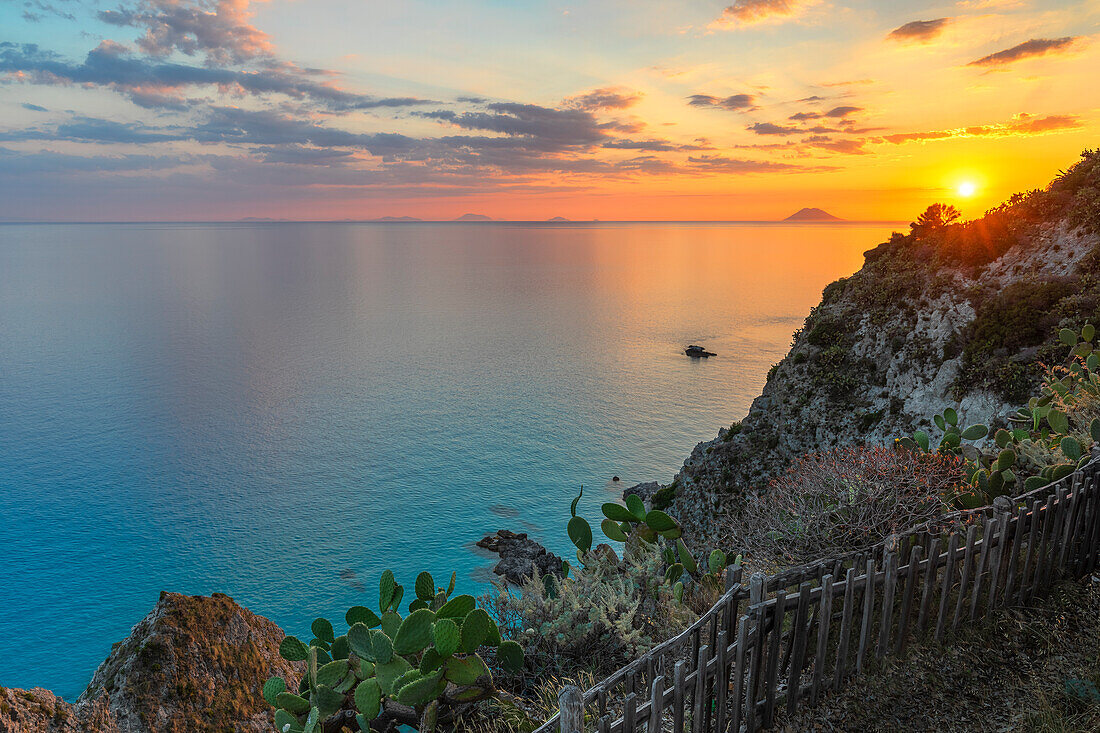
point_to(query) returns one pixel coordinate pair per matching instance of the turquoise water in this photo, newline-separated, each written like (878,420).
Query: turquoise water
(282,411)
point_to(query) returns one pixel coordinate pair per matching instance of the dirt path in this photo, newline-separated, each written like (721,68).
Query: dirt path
(1006,674)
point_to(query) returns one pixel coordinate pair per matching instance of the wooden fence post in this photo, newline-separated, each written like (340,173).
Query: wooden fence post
(571,705)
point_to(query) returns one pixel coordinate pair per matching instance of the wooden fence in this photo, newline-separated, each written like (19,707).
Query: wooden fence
(782,641)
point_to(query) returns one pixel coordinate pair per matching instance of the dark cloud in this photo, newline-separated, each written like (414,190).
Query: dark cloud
(722,164)
(151,83)
(33,107)
(299,155)
(770,128)
(842,111)
(919,30)
(604,98)
(35,10)
(218,29)
(801,116)
(550,129)
(266,127)
(745,12)
(1027,49)
(847,147)
(623,126)
(21,163)
(655,146)
(734,102)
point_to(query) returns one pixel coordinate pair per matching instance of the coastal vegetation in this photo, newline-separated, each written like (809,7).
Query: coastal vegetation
(1031,341)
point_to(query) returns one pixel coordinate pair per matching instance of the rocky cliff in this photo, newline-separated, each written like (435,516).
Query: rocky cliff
(194,663)
(950,314)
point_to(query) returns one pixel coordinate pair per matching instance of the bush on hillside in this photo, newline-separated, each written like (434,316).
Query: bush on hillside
(603,616)
(839,501)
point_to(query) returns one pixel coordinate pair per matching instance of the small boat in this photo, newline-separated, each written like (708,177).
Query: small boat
(698,351)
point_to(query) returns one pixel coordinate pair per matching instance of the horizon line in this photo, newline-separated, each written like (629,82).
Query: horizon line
(457,221)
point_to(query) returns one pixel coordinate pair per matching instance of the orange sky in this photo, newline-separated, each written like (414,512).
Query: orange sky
(222,109)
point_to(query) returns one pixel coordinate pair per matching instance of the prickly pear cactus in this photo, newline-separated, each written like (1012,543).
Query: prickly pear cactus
(387,669)
(1046,441)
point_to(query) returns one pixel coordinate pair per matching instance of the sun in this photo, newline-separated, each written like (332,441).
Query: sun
(966,189)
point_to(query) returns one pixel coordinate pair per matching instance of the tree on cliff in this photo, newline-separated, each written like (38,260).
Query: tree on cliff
(935,218)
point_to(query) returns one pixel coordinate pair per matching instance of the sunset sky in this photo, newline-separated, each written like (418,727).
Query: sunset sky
(639,109)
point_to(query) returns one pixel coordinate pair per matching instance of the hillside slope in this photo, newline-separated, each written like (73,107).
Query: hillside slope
(950,314)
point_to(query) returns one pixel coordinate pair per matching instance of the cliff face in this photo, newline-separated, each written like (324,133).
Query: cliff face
(949,315)
(194,663)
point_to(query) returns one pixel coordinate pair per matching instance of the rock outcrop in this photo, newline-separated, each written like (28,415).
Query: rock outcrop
(892,345)
(193,664)
(520,556)
(40,711)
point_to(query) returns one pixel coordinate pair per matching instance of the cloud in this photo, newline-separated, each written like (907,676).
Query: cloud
(33,107)
(151,83)
(842,111)
(20,163)
(1027,49)
(770,128)
(218,29)
(847,147)
(748,12)
(655,145)
(722,164)
(553,129)
(36,10)
(1021,125)
(604,98)
(734,102)
(921,31)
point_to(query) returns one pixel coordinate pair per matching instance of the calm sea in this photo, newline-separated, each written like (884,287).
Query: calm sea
(281,411)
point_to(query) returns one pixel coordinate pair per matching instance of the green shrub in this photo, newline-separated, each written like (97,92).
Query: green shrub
(390,670)
(601,617)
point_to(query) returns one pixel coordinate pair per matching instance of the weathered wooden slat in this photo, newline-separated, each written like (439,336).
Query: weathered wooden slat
(988,533)
(948,582)
(1019,529)
(1032,543)
(1005,528)
(889,588)
(1040,580)
(868,613)
(824,621)
(911,581)
(930,575)
(771,676)
(604,724)
(721,681)
(799,637)
(739,659)
(964,582)
(571,710)
(678,674)
(841,668)
(1071,520)
(630,707)
(753,682)
(656,705)
(699,698)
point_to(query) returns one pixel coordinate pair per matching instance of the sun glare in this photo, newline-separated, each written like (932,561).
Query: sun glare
(966,189)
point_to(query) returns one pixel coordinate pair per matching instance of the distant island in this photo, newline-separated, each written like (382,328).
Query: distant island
(397,218)
(558,218)
(809,214)
(474,217)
